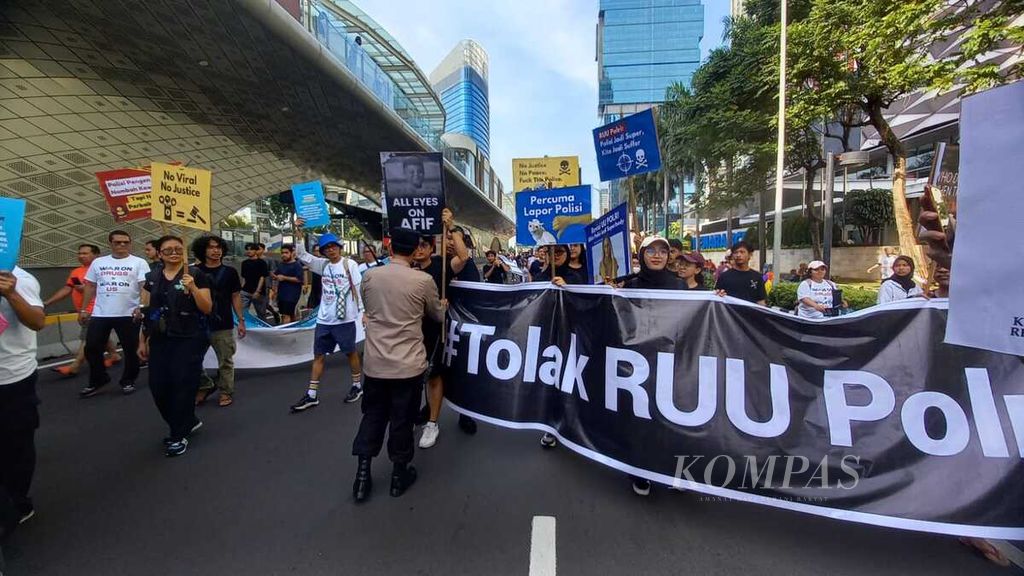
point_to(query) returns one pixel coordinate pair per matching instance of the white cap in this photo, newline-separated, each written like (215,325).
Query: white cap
(651,240)
(816,264)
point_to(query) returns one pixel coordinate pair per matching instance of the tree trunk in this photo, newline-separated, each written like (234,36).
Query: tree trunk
(813,222)
(904,224)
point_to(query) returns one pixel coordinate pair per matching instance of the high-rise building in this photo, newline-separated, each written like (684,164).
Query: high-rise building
(737,8)
(643,47)
(461,82)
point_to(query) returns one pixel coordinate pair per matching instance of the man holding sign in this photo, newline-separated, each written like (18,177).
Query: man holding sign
(21,316)
(414,190)
(340,307)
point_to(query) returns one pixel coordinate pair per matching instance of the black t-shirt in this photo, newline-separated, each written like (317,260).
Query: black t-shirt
(743,284)
(496,277)
(469,272)
(535,268)
(172,311)
(252,270)
(573,275)
(224,282)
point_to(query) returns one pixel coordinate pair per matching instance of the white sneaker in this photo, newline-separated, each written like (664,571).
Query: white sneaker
(429,437)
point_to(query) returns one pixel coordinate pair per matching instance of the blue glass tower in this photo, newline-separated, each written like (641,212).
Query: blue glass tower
(461,82)
(644,46)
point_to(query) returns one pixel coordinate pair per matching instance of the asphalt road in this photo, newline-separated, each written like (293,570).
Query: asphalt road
(264,492)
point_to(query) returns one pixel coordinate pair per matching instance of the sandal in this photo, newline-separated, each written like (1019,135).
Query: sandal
(202,395)
(225,401)
(986,549)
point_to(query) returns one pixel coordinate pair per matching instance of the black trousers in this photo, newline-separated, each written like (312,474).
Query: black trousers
(174,373)
(389,405)
(96,338)
(19,418)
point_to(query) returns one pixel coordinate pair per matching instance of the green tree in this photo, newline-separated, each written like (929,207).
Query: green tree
(870,211)
(863,55)
(235,222)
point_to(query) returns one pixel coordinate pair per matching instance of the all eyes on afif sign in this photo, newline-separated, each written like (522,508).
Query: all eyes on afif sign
(627,147)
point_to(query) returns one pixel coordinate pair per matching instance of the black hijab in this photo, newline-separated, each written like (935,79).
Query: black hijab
(905,282)
(663,279)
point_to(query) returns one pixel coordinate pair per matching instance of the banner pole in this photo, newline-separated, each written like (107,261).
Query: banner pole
(444,280)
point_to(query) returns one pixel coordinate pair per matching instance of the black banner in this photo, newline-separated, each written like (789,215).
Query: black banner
(413,190)
(866,418)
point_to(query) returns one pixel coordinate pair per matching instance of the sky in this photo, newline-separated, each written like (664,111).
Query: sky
(543,70)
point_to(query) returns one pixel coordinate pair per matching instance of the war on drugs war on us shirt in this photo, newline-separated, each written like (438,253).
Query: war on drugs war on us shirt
(118,284)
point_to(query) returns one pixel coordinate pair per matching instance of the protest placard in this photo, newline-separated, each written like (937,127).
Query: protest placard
(310,204)
(12,219)
(608,245)
(555,216)
(413,190)
(181,196)
(546,172)
(627,147)
(983,313)
(127,192)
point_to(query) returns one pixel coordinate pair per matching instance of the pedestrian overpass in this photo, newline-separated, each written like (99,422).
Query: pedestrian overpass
(264,93)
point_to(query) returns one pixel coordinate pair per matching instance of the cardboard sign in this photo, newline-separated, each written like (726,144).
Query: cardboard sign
(127,192)
(555,216)
(310,204)
(12,219)
(627,147)
(413,190)
(608,245)
(181,196)
(547,172)
(985,308)
(945,174)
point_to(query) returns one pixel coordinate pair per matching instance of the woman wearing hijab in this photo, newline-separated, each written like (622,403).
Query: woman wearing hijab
(900,285)
(174,339)
(654,275)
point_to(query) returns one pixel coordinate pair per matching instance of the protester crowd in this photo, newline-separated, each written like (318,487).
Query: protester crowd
(170,308)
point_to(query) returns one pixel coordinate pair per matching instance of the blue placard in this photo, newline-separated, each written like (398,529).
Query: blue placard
(12,218)
(552,216)
(310,204)
(608,245)
(627,147)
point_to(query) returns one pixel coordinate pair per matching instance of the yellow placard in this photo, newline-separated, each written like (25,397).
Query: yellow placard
(547,172)
(181,196)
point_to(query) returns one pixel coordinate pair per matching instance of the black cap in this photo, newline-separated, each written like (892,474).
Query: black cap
(404,241)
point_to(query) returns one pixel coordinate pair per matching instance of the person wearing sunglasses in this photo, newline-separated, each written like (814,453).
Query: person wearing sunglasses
(174,339)
(115,281)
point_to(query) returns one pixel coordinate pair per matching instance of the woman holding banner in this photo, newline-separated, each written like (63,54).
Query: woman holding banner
(654,275)
(567,271)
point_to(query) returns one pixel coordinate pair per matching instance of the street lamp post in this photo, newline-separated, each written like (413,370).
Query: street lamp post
(780,163)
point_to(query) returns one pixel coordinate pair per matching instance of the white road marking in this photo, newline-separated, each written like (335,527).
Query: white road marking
(542,546)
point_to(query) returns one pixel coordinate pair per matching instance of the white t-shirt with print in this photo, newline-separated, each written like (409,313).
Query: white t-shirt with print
(820,292)
(18,342)
(118,284)
(336,287)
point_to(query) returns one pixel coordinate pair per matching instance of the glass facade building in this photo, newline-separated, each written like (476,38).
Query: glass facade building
(461,82)
(645,46)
